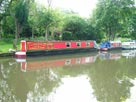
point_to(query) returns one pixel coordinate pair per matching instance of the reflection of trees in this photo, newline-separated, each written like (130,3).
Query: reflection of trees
(110,79)
(16,86)
(34,86)
(45,82)
(6,93)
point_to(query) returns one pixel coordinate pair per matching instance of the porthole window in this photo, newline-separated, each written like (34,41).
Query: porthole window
(68,44)
(78,44)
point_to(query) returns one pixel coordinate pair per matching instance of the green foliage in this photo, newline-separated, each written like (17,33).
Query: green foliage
(112,17)
(133,26)
(67,36)
(8,27)
(21,12)
(77,28)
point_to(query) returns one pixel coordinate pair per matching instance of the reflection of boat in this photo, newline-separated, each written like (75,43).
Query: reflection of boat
(129,53)
(109,45)
(129,45)
(110,55)
(56,61)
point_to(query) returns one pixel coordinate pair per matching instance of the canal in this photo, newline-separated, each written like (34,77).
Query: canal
(89,77)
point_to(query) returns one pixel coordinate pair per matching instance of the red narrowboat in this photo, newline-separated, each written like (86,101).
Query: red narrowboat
(55,47)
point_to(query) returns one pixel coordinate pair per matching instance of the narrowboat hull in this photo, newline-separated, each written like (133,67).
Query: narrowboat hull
(59,51)
(103,49)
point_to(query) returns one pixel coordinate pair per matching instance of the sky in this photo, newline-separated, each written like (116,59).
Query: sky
(83,7)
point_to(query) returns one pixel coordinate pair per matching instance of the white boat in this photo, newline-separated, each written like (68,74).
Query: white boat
(129,45)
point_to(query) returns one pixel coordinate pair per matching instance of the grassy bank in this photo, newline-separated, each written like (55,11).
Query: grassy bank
(6,44)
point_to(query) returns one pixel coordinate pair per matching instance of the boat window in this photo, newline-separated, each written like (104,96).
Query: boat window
(87,44)
(68,44)
(78,44)
(131,43)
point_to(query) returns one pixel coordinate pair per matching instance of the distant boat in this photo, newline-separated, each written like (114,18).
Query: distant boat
(129,45)
(109,45)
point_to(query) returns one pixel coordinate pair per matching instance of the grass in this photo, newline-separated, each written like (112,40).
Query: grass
(6,44)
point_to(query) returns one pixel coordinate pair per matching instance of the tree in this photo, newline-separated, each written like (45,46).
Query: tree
(112,17)
(74,28)
(48,19)
(4,11)
(32,18)
(20,16)
(133,26)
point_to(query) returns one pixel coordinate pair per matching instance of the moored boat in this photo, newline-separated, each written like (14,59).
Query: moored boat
(110,45)
(55,47)
(129,45)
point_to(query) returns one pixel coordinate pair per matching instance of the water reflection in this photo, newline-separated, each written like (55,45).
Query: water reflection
(99,77)
(132,97)
(6,93)
(129,53)
(110,55)
(35,63)
(70,90)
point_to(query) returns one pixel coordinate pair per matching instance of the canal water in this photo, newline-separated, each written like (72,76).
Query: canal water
(89,77)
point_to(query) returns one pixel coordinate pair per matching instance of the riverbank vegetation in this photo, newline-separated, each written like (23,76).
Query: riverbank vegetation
(24,19)
(6,45)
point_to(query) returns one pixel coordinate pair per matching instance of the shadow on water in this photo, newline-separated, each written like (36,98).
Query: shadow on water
(100,77)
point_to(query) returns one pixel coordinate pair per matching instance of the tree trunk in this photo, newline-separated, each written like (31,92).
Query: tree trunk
(52,34)
(18,31)
(32,32)
(46,33)
(1,30)
(113,33)
(110,32)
